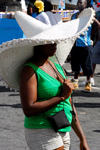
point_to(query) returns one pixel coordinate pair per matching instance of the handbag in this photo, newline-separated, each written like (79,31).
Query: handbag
(59,120)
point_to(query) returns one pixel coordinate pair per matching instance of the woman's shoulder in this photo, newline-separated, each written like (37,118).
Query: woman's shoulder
(27,68)
(27,73)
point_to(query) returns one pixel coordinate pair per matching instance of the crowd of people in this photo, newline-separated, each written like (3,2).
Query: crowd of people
(45,90)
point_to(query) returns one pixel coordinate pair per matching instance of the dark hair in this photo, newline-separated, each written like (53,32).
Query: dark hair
(48,6)
(32,1)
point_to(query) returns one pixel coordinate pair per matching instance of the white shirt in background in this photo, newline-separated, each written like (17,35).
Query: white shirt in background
(49,18)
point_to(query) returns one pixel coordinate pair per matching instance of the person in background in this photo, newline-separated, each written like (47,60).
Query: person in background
(69,56)
(35,7)
(96,55)
(48,17)
(97,16)
(30,8)
(81,71)
(96,45)
(81,53)
(96,49)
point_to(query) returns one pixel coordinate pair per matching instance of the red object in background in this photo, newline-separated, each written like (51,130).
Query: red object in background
(98,4)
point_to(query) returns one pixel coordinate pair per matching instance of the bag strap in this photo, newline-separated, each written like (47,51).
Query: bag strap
(56,71)
(58,74)
(73,112)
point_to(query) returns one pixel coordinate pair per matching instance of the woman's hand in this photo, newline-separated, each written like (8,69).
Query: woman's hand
(84,145)
(67,88)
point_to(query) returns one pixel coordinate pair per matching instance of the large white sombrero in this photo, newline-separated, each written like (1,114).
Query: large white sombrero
(14,54)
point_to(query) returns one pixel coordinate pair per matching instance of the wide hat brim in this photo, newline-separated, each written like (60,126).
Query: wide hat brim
(14,54)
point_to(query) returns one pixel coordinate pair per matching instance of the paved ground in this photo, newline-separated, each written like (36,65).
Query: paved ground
(87,106)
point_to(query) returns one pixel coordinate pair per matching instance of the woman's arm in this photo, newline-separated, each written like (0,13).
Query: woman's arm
(28,94)
(79,132)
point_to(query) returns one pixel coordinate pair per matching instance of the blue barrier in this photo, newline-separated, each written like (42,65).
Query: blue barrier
(9,30)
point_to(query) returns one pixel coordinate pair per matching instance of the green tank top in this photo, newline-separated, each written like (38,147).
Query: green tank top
(48,87)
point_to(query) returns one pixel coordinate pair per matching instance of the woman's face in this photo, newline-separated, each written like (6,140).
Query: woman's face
(49,49)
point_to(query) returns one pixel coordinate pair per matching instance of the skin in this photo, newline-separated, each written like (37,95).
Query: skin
(28,90)
(81,5)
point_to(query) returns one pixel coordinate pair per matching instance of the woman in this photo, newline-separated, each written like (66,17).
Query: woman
(36,99)
(44,88)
